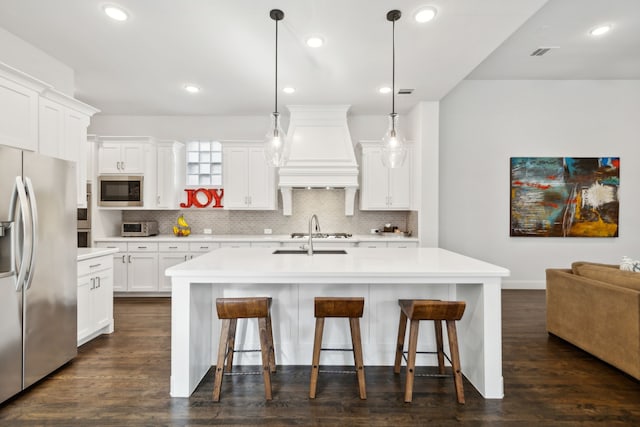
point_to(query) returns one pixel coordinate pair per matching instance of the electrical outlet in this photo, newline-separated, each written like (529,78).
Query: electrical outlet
(268,231)
(207,231)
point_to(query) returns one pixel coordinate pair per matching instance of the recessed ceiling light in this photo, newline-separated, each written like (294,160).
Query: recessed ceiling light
(289,89)
(116,13)
(602,29)
(384,90)
(315,41)
(425,14)
(191,88)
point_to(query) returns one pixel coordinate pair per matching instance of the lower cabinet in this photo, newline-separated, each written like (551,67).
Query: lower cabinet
(95,297)
(135,266)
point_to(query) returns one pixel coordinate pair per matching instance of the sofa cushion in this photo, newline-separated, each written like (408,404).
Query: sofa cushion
(607,273)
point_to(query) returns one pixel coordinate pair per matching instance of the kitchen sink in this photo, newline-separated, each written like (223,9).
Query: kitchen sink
(304,251)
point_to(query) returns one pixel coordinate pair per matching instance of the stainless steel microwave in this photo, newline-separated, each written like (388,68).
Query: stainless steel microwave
(118,191)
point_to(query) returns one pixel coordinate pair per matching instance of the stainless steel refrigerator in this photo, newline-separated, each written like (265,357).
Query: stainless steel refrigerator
(38,278)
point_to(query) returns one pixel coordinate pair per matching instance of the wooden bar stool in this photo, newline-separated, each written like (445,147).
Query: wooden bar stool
(438,311)
(229,311)
(338,307)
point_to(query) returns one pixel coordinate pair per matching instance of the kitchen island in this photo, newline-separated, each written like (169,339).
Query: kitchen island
(381,275)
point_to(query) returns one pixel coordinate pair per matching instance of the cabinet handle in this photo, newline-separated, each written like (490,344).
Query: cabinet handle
(122,165)
(129,259)
(158,200)
(93,284)
(123,259)
(204,247)
(142,247)
(173,247)
(95,265)
(185,257)
(98,281)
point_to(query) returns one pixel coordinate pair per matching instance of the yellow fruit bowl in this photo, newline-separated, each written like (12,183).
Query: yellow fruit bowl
(181,232)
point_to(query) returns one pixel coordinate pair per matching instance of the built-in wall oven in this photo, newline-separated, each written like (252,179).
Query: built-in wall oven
(84,222)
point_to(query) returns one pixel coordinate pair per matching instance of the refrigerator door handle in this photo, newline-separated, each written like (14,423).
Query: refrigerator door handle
(34,230)
(20,196)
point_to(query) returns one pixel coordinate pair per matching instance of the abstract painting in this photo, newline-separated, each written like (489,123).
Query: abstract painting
(565,196)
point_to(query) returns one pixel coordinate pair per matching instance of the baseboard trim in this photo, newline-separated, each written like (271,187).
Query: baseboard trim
(524,284)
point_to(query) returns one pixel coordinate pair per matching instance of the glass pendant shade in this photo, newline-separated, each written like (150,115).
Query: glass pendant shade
(275,146)
(394,147)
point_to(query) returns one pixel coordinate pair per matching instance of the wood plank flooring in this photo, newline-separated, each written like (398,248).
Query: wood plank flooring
(123,380)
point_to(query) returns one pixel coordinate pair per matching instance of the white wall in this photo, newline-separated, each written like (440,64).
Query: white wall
(27,58)
(484,123)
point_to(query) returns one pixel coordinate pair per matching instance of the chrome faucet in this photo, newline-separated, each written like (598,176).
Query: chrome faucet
(310,247)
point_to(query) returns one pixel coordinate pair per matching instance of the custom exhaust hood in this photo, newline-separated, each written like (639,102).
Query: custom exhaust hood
(321,153)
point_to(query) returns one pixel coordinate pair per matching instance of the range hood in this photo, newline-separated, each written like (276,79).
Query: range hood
(321,153)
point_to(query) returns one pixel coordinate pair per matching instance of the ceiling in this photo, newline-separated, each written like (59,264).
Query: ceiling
(140,66)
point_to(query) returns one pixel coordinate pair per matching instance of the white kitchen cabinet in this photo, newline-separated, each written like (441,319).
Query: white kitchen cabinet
(38,118)
(95,297)
(170,254)
(249,183)
(170,174)
(121,157)
(235,244)
(196,248)
(135,267)
(63,134)
(387,244)
(383,188)
(18,109)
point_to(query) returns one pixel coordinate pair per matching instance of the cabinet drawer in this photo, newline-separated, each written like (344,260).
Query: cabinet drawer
(235,244)
(265,244)
(142,247)
(203,247)
(173,246)
(372,244)
(93,265)
(402,244)
(121,246)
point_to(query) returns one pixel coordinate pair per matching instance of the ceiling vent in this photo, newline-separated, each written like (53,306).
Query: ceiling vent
(542,50)
(405,91)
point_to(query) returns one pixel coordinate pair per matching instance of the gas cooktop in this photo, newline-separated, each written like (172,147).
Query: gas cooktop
(321,235)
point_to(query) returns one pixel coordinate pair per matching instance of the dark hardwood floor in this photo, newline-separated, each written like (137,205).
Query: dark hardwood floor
(123,379)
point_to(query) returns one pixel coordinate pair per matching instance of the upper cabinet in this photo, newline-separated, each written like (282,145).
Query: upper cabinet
(38,118)
(382,188)
(249,183)
(19,110)
(122,155)
(170,174)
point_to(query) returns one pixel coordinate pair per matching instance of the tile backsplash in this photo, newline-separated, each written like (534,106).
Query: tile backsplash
(327,204)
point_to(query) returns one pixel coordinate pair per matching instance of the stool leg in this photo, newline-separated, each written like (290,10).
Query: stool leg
(439,345)
(411,363)
(455,359)
(222,351)
(315,364)
(356,343)
(231,343)
(402,330)
(272,353)
(266,352)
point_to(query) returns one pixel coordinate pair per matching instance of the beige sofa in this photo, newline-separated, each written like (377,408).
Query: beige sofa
(597,307)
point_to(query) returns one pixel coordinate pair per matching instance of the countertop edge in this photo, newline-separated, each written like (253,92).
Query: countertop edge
(89,253)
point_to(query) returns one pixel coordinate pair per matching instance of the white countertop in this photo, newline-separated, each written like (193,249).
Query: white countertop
(88,253)
(377,265)
(255,237)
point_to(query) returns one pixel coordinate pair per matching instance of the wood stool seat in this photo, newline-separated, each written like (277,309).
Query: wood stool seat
(351,308)
(229,311)
(438,311)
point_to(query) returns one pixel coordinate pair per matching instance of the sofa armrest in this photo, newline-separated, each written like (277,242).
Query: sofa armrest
(600,318)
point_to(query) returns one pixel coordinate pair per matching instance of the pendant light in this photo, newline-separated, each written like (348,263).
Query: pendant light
(275,147)
(394,149)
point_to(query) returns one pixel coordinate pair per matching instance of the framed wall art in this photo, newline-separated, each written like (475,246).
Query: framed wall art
(564,196)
